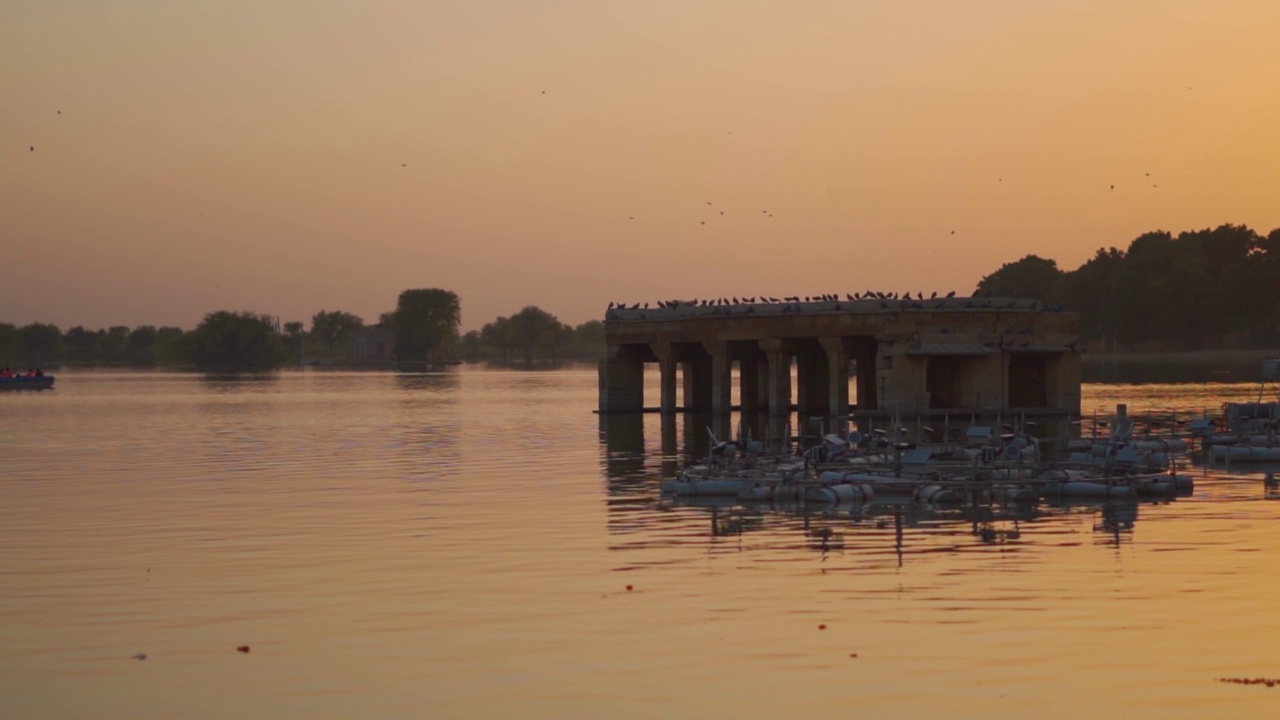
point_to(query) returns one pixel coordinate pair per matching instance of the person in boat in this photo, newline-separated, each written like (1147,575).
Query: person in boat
(39,372)
(6,373)
(31,373)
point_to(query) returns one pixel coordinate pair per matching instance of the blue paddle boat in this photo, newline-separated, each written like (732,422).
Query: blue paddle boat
(43,382)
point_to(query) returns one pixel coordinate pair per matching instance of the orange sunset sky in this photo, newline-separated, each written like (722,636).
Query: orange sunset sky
(287,157)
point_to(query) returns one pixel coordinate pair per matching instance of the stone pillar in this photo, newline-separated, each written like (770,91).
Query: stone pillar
(762,380)
(837,349)
(667,374)
(697,383)
(749,383)
(811,376)
(866,356)
(621,384)
(721,377)
(778,359)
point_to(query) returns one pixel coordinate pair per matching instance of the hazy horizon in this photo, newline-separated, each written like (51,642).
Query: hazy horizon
(247,156)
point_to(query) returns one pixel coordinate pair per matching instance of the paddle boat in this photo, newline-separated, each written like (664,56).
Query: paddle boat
(42,382)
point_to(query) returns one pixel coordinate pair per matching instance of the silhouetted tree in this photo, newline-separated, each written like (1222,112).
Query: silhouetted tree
(425,319)
(534,328)
(80,345)
(170,345)
(589,339)
(1030,277)
(330,327)
(1202,288)
(11,346)
(497,335)
(142,340)
(42,343)
(295,334)
(469,346)
(235,342)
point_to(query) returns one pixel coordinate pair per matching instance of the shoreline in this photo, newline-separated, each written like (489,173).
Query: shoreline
(1175,366)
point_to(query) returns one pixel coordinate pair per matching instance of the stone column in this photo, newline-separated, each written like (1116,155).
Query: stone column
(721,377)
(697,383)
(778,357)
(667,373)
(749,383)
(837,349)
(621,384)
(811,376)
(866,355)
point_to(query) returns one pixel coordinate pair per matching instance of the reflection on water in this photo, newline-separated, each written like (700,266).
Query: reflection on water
(475,543)
(442,381)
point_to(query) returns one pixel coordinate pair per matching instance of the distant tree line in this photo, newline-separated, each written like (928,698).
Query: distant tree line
(40,345)
(422,329)
(1201,289)
(533,335)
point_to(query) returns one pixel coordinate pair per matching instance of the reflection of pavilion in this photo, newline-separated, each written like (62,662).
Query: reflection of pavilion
(837,528)
(634,472)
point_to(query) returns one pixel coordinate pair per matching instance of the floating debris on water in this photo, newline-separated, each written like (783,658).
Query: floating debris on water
(1269,682)
(242,648)
(140,656)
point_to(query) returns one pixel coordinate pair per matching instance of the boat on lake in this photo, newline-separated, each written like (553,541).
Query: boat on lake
(43,382)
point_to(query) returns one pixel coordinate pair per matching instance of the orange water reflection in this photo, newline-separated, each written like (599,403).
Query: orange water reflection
(461,546)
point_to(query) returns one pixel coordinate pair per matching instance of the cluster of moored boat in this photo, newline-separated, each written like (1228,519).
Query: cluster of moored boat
(985,466)
(1251,434)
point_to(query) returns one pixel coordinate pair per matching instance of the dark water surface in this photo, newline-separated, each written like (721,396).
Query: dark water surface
(460,545)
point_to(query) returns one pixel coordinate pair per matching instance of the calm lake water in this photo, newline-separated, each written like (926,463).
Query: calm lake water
(461,545)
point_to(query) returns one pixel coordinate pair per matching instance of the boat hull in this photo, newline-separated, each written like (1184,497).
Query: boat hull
(27,383)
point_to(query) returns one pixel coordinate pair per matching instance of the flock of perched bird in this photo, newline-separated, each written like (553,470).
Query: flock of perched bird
(794,303)
(824,297)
